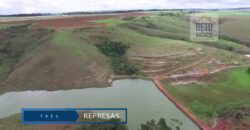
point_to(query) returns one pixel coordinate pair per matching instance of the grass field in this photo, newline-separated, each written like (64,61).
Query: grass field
(234,24)
(110,22)
(4,26)
(217,94)
(232,13)
(236,27)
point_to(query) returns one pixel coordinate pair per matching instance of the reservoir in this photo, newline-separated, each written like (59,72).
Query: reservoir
(142,99)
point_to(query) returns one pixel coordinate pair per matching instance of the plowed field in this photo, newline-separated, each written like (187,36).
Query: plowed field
(84,21)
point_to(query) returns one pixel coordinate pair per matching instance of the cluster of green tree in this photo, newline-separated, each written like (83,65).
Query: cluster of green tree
(102,12)
(248,70)
(169,14)
(26,15)
(145,17)
(128,18)
(152,125)
(225,47)
(105,126)
(116,52)
(149,125)
(229,38)
(151,25)
(117,11)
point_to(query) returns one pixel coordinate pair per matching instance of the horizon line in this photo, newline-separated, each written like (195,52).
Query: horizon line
(124,10)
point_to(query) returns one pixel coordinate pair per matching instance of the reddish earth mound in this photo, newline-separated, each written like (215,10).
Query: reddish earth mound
(224,124)
(84,21)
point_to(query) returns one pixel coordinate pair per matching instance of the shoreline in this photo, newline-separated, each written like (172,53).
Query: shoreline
(201,125)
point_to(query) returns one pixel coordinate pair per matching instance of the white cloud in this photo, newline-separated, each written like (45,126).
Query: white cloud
(56,6)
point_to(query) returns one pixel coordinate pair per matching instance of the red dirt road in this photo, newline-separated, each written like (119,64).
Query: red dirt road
(181,107)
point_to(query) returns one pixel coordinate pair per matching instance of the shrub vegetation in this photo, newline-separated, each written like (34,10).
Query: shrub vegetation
(116,52)
(248,70)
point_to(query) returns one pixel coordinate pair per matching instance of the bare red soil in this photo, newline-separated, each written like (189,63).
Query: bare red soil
(84,21)
(224,124)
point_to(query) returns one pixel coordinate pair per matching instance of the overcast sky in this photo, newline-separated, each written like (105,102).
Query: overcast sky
(58,6)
